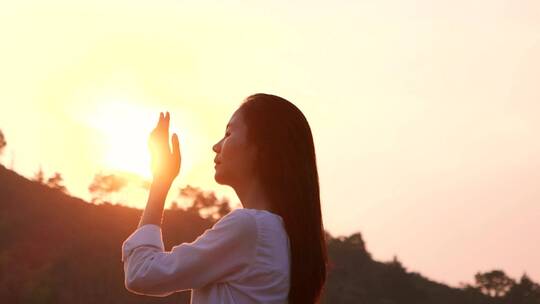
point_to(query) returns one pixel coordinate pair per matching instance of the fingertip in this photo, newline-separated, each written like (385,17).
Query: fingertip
(175,145)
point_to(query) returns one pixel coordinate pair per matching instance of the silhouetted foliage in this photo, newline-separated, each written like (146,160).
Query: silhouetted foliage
(39,176)
(3,142)
(105,184)
(494,283)
(207,205)
(55,182)
(55,248)
(524,292)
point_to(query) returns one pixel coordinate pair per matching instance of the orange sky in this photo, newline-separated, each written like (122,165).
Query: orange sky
(424,113)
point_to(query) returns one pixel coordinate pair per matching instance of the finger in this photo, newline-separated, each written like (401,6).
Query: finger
(166,125)
(159,120)
(161,126)
(175,147)
(166,120)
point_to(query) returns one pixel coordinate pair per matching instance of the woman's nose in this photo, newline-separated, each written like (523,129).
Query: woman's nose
(216,147)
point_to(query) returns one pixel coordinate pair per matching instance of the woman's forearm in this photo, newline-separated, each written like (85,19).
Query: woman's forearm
(153,213)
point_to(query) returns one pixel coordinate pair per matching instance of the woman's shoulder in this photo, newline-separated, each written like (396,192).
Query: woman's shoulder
(237,220)
(244,221)
(260,214)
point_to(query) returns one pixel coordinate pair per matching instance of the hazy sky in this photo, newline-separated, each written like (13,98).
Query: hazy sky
(424,113)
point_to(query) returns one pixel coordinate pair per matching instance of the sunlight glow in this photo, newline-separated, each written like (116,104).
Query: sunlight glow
(126,128)
(124,125)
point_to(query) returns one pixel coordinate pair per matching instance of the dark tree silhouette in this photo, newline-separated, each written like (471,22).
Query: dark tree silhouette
(104,185)
(174,206)
(206,204)
(65,250)
(3,142)
(39,176)
(494,283)
(56,182)
(524,292)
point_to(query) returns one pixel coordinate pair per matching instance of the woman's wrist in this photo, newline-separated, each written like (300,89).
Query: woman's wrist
(153,213)
(161,182)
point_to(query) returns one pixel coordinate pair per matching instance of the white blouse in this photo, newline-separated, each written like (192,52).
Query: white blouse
(243,258)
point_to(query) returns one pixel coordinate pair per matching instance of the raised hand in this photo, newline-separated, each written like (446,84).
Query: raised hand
(165,162)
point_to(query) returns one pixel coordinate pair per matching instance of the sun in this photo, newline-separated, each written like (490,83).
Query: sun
(128,153)
(125,127)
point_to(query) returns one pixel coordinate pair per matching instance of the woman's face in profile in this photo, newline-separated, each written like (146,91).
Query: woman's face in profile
(235,157)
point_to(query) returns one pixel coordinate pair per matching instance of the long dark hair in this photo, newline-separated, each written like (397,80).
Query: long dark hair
(287,169)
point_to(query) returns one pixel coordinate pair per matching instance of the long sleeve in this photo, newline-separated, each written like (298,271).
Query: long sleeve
(215,256)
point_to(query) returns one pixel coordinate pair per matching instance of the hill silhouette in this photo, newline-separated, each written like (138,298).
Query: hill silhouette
(55,248)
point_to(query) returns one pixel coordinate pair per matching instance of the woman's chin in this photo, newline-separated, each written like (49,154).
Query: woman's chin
(218,178)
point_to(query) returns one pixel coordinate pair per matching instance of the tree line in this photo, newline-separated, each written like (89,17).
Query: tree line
(55,248)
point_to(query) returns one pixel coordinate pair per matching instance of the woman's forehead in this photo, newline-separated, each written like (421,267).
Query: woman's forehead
(234,122)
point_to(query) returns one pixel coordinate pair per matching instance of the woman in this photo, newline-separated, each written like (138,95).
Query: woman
(271,251)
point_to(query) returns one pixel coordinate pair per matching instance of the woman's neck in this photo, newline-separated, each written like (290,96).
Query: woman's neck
(252,196)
